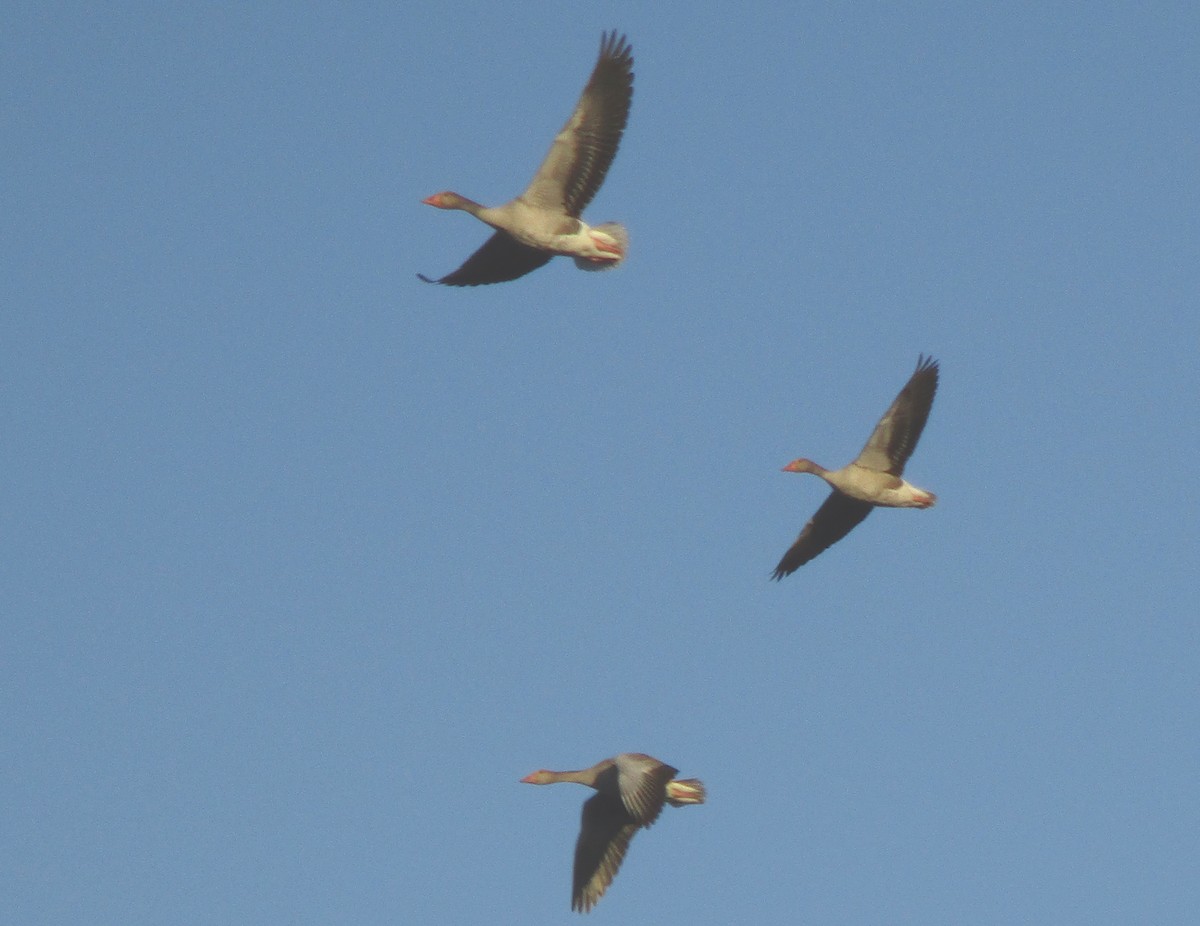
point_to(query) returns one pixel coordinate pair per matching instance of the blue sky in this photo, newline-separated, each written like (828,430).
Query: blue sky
(306,563)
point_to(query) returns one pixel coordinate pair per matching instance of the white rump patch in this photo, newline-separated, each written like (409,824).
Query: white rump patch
(620,235)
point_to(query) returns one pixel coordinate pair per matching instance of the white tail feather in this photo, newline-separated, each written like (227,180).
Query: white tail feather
(685,791)
(620,235)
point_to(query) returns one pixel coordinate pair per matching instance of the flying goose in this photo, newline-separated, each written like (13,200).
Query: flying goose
(545,219)
(872,480)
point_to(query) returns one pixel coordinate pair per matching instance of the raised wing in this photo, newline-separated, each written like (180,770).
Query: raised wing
(501,258)
(839,515)
(896,435)
(604,836)
(582,152)
(642,781)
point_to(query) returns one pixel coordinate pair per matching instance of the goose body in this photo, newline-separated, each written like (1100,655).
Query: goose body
(544,221)
(873,480)
(631,789)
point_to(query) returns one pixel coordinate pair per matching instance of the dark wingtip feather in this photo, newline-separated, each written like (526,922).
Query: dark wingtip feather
(926,364)
(615,45)
(782,571)
(789,563)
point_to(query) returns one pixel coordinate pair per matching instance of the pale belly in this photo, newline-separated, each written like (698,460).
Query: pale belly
(587,243)
(884,493)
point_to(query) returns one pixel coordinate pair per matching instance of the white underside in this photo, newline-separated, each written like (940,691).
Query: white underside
(584,244)
(592,257)
(870,486)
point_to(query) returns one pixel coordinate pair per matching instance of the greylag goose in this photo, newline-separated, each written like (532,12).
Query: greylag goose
(544,220)
(873,480)
(630,791)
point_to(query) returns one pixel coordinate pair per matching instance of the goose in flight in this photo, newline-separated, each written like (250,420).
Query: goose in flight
(630,792)
(545,219)
(873,480)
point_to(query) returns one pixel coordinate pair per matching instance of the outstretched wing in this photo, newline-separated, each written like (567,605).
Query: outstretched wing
(501,258)
(604,837)
(839,515)
(583,150)
(896,435)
